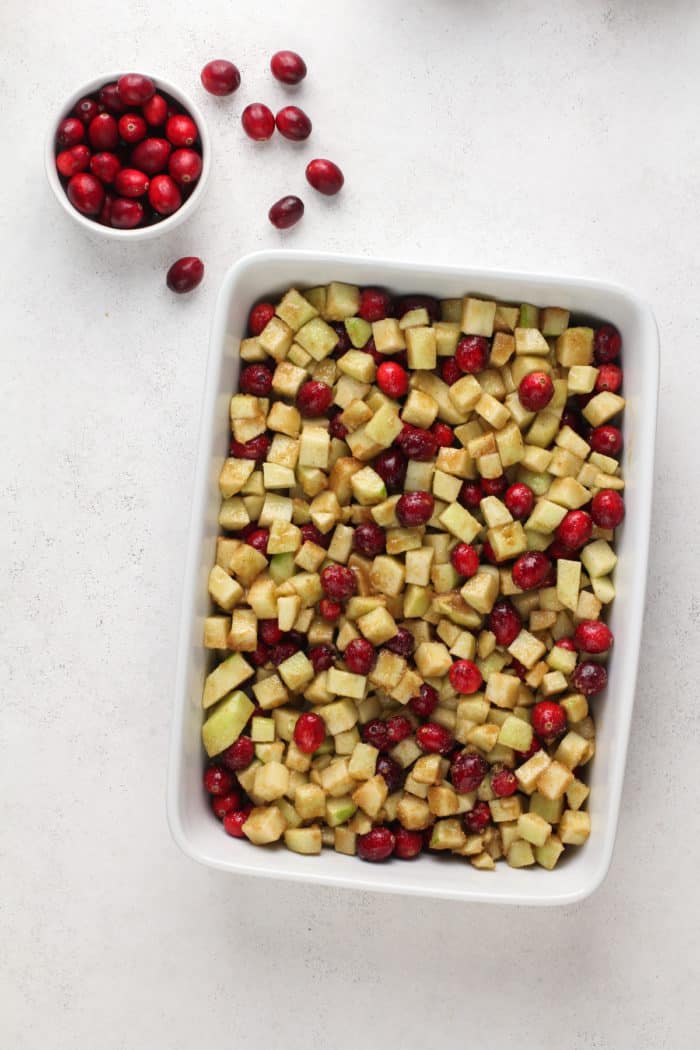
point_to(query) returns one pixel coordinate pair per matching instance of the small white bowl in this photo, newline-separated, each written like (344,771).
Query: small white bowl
(143,233)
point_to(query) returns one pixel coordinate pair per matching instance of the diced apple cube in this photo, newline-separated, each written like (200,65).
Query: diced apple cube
(342,300)
(336,781)
(378,626)
(544,428)
(568,493)
(420,409)
(478,317)
(276,338)
(388,670)
(371,795)
(317,338)
(505,809)
(233,476)
(270,692)
(571,750)
(230,673)
(447,834)
(446,336)
(575,347)
(442,800)
(413,813)
(226,722)
(368,487)
(502,690)
(554,780)
(568,582)
(388,337)
(363,761)
(265,824)
(387,575)
(223,590)
(216,630)
(359,331)
(481,591)
(453,461)
(457,520)
(383,428)
(295,310)
(530,341)
(529,772)
(496,414)
(251,350)
(574,827)
(599,559)
(581,379)
(515,733)
(533,828)
(310,801)
(508,541)
(465,393)
(408,687)
(527,649)
(343,683)
(271,781)
(233,514)
(243,636)
(603,407)
(546,516)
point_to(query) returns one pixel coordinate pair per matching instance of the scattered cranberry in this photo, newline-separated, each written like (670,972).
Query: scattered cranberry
(465,677)
(126,214)
(103,132)
(398,728)
(85,193)
(185,274)
(135,89)
(256,379)
(110,99)
(519,499)
(467,771)
(504,782)
(536,390)
(574,530)
(71,132)
(257,448)
(181,130)
(220,77)
(293,123)
(105,166)
(548,719)
(310,534)
(286,212)
(434,738)
(359,656)
(609,378)
(408,844)
(288,66)
(259,539)
(283,651)
(314,398)
(338,582)
(403,643)
(218,780)
(504,622)
(425,703)
(86,109)
(155,110)
(129,182)
(322,657)
(376,845)
(375,733)
(391,466)
(258,122)
(415,509)
(151,155)
(309,732)
(450,371)
(607,506)
(392,379)
(260,316)
(607,344)
(71,161)
(470,495)
(607,440)
(185,166)
(464,559)
(234,821)
(494,486)
(530,570)
(269,631)
(442,434)
(472,354)
(324,176)
(223,804)
(417,443)
(593,636)
(375,304)
(369,539)
(589,678)
(418,302)
(477,819)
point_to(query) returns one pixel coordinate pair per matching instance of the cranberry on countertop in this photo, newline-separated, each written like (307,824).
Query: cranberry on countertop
(288,67)
(185,274)
(258,122)
(220,77)
(324,176)
(293,123)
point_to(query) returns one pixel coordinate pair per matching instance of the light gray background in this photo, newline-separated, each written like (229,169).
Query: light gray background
(533,135)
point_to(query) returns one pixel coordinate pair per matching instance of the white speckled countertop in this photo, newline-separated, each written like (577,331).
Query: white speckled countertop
(531,136)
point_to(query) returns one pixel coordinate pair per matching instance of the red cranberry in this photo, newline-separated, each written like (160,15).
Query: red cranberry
(391,466)
(434,738)
(269,631)
(164,195)
(103,132)
(592,636)
(574,530)
(504,622)
(239,754)
(450,371)
(548,719)
(288,66)
(403,643)
(398,728)
(417,443)
(105,166)
(607,506)
(257,448)
(155,110)
(518,669)
(467,771)
(369,539)
(589,678)
(220,77)
(286,212)
(85,193)
(135,89)
(504,782)
(470,495)
(415,509)
(86,109)
(442,434)
(224,804)
(309,732)
(375,733)
(71,132)
(344,344)
(464,559)
(465,677)
(314,398)
(132,127)
(185,274)
(375,304)
(151,155)
(260,315)
(607,440)
(126,214)
(570,418)
(530,570)
(418,302)
(293,123)
(472,354)
(359,656)
(425,703)
(280,653)
(129,182)
(255,379)
(324,176)
(477,819)
(260,655)
(607,344)
(322,657)
(391,771)
(336,429)
(376,845)
(71,161)
(494,486)
(609,378)
(535,746)
(392,379)
(258,122)
(181,130)
(536,390)
(104,216)
(520,499)
(218,780)
(566,643)
(185,166)
(488,553)
(110,99)
(558,550)
(310,534)
(408,843)
(234,821)
(338,582)
(258,539)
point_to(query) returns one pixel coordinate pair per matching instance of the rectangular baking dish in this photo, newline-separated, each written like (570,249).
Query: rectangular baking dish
(266,275)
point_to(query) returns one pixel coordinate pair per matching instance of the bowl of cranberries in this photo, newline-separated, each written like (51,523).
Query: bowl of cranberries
(128,156)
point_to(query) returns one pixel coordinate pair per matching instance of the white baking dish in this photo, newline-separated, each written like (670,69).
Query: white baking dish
(265,275)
